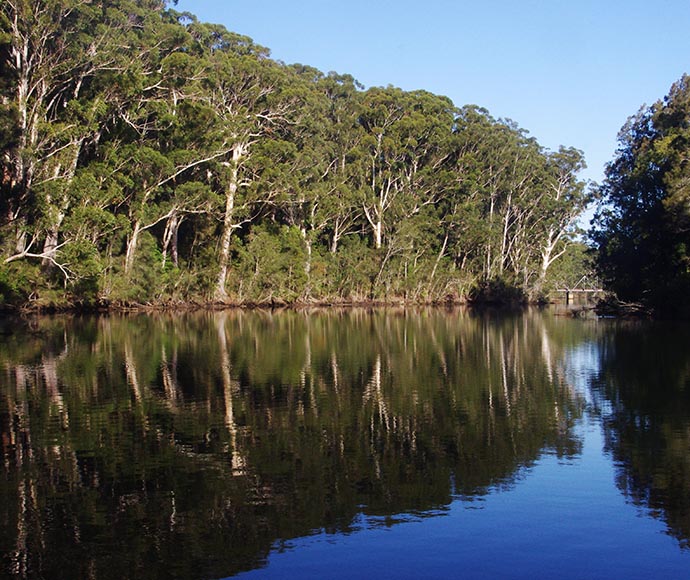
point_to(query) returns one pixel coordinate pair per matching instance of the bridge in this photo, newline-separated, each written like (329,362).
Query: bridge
(584,287)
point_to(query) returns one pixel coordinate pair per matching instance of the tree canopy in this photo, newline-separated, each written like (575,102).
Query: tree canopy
(150,157)
(642,228)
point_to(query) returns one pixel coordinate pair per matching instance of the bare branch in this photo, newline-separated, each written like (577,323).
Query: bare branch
(42,256)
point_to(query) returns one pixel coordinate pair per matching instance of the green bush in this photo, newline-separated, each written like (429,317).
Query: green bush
(15,285)
(270,265)
(498,291)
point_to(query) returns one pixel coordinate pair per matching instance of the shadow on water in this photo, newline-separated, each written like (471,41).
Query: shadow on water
(188,445)
(644,380)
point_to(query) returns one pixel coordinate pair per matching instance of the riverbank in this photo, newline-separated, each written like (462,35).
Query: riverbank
(211,305)
(608,307)
(106,307)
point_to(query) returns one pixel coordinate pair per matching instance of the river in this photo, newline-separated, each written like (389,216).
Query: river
(390,443)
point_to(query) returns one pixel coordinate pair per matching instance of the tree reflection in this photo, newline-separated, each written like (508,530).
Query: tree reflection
(186,446)
(645,377)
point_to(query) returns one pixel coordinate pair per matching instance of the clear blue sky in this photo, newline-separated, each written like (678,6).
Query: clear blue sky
(570,72)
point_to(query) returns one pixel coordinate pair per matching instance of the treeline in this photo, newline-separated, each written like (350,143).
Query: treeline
(149,157)
(642,228)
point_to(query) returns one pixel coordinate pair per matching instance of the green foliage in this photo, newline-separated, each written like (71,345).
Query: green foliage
(157,158)
(641,228)
(270,267)
(14,285)
(143,283)
(86,269)
(351,271)
(575,266)
(498,291)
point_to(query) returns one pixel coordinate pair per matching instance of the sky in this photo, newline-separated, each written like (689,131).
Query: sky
(570,72)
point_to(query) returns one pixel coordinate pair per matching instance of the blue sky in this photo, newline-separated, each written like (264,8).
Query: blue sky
(570,72)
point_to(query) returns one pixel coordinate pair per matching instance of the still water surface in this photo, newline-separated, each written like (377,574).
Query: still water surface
(344,444)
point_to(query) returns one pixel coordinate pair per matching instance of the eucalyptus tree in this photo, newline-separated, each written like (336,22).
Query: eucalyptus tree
(522,166)
(461,210)
(490,171)
(185,132)
(54,53)
(252,104)
(301,181)
(405,165)
(135,137)
(564,199)
(426,134)
(383,158)
(143,168)
(46,58)
(512,212)
(340,211)
(321,198)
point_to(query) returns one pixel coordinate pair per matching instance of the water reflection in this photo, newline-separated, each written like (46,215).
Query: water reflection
(186,446)
(644,379)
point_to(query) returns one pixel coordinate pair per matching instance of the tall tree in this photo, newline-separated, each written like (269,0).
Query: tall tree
(322,201)
(250,96)
(565,198)
(641,228)
(53,53)
(134,137)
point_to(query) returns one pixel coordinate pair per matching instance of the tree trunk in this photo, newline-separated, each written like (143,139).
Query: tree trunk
(228,223)
(60,207)
(132,241)
(50,244)
(489,265)
(375,219)
(438,261)
(335,239)
(170,237)
(378,234)
(546,253)
(224,260)
(307,261)
(504,238)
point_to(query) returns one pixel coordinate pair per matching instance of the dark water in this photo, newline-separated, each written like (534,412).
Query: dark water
(392,444)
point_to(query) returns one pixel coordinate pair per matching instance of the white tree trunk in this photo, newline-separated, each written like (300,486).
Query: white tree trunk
(132,242)
(172,227)
(378,234)
(228,223)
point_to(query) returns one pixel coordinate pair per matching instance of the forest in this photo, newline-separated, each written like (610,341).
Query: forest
(641,232)
(150,158)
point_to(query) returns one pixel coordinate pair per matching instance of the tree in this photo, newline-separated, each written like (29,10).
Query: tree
(148,156)
(54,52)
(247,92)
(321,198)
(566,198)
(641,227)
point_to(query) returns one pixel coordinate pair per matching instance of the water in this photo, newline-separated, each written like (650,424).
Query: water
(344,444)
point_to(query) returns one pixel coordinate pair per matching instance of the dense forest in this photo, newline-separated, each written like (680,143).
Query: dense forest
(642,229)
(148,157)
